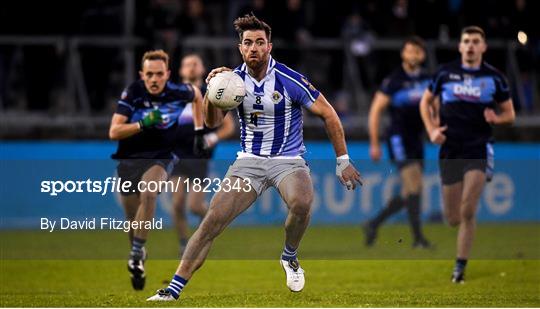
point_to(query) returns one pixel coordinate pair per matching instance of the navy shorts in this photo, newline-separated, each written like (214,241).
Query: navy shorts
(456,159)
(405,151)
(192,168)
(133,169)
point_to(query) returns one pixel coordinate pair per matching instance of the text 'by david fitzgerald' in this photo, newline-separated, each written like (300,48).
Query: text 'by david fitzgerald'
(99,224)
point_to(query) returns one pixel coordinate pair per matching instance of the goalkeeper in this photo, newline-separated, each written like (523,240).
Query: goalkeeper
(145,124)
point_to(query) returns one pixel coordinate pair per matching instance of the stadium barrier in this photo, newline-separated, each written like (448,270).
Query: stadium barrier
(510,196)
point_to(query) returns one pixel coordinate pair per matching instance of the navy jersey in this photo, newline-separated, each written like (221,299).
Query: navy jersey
(158,141)
(186,131)
(464,94)
(405,92)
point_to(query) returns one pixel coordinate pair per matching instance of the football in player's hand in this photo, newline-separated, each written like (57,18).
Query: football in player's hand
(226,90)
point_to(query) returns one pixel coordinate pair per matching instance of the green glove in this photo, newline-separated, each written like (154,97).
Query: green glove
(153,118)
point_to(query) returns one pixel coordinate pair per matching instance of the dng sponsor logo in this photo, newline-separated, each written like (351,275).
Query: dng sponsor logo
(467,90)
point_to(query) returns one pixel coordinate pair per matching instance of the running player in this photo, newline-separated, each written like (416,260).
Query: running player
(192,166)
(145,126)
(272,145)
(402,91)
(474,96)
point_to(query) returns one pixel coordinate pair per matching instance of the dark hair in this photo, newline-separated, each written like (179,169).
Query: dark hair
(251,22)
(474,29)
(196,55)
(158,54)
(414,40)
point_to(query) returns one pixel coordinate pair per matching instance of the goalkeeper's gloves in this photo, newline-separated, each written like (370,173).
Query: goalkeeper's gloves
(151,119)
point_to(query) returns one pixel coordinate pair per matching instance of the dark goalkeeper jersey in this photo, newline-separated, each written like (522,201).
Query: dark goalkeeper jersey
(159,141)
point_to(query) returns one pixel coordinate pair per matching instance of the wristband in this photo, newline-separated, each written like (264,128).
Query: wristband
(343,157)
(341,163)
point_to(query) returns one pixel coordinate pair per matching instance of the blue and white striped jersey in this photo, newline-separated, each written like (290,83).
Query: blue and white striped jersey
(271,115)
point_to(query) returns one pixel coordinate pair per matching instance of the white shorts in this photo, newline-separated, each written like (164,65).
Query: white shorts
(264,172)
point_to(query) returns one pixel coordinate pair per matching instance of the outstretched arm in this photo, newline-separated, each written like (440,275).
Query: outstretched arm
(334,129)
(346,172)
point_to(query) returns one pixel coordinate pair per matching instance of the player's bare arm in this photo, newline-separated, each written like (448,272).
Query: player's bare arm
(435,108)
(379,104)
(505,116)
(228,127)
(198,113)
(213,116)
(120,129)
(199,145)
(435,132)
(349,175)
(225,131)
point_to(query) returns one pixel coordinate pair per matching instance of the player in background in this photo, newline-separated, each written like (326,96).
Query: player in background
(144,125)
(474,96)
(191,166)
(401,91)
(272,145)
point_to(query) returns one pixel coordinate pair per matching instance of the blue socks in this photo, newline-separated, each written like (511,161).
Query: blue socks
(289,253)
(137,248)
(176,286)
(460,265)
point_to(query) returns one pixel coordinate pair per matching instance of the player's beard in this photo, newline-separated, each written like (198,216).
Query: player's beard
(256,64)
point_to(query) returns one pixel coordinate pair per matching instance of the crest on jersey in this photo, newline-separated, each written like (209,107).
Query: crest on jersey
(124,95)
(276,97)
(146,104)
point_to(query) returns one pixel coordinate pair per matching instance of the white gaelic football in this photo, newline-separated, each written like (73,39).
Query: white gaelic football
(226,90)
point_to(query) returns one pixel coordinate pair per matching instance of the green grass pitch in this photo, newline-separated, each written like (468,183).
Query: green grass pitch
(88,269)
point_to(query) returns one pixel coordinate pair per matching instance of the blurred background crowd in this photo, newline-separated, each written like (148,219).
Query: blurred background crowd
(64,64)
